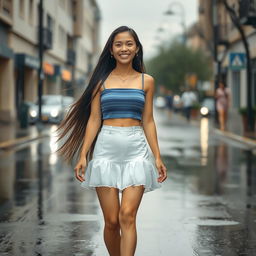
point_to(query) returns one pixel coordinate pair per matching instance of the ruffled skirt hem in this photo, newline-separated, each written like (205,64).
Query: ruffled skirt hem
(101,172)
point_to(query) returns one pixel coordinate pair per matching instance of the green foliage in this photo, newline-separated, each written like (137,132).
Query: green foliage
(243,110)
(170,66)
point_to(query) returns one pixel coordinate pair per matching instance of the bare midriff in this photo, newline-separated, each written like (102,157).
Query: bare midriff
(122,122)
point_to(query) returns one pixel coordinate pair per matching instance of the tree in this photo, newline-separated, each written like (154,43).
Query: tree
(171,65)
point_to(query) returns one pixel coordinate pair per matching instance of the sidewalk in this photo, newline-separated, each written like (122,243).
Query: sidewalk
(12,135)
(234,129)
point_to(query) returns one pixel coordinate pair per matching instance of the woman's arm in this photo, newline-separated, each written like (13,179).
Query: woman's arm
(93,124)
(150,127)
(148,119)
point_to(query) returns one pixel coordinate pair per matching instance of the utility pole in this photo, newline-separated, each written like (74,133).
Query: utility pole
(41,53)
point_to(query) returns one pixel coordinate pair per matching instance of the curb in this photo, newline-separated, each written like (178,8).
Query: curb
(244,140)
(15,142)
(247,141)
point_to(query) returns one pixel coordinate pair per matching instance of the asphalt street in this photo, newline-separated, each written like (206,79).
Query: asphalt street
(206,206)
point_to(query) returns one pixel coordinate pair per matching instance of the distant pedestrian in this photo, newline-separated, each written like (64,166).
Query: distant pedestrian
(105,129)
(188,98)
(169,102)
(222,104)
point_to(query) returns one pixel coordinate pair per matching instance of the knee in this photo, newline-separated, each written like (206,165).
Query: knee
(126,217)
(112,223)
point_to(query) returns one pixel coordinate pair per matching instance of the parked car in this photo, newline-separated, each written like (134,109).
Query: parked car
(54,108)
(207,107)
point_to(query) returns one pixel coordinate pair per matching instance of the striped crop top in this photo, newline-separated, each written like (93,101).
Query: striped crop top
(122,102)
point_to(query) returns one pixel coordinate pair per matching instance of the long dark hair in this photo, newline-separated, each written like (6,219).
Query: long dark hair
(73,127)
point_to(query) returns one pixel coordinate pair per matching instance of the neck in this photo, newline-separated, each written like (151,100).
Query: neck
(123,69)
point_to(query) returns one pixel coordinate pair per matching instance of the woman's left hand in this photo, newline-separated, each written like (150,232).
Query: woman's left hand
(161,170)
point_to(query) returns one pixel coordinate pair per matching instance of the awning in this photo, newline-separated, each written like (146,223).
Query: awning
(6,52)
(48,68)
(66,75)
(26,60)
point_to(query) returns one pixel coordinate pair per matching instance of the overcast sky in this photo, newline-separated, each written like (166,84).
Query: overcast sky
(145,17)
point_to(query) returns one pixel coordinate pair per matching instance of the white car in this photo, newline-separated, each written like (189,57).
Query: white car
(54,108)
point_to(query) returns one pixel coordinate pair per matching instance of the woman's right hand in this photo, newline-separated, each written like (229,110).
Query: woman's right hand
(80,169)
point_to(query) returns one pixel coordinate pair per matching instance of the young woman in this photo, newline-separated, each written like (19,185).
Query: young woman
(222,103)
(107,127)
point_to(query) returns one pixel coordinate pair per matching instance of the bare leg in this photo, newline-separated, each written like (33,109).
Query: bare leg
(110,205)
(225,117)
(131,198)
(222,119)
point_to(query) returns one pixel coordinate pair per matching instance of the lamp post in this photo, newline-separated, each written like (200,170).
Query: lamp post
(41,56)
(182,13)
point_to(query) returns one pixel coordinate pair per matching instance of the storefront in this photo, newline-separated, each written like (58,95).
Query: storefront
(7,92)
(26,73)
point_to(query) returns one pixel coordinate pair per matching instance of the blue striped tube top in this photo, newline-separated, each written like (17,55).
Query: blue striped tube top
(122,103)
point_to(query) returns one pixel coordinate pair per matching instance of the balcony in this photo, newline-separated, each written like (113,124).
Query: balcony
(6,11)
(247,12)
(71,57)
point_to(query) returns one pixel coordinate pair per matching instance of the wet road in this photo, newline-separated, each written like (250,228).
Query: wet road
(206,207)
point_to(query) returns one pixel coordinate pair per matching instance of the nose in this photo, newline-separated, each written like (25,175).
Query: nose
(124,47)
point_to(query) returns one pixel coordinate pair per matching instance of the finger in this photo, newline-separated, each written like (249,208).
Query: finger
(78,177)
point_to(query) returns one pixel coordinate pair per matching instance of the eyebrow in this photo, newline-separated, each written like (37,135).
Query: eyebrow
(122,41)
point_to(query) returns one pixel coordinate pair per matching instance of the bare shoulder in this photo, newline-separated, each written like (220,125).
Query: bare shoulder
(149,78)
(149,82)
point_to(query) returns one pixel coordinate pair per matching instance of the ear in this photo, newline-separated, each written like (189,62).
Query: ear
(137,50)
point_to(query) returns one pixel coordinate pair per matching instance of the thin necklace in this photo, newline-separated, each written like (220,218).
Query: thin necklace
(123,80)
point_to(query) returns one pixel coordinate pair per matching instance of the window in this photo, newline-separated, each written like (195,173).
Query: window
(49,22)
(62,37)
(31,12)
(22,8)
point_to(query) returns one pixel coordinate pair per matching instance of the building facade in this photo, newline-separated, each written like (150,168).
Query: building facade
(71,46)
(229,42)
(232,44)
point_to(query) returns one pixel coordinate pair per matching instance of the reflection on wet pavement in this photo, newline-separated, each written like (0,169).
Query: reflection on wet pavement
(206,207)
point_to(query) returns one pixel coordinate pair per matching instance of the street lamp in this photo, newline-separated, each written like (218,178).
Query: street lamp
(182,14)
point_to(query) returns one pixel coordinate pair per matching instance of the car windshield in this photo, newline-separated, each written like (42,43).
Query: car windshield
(52,100)
(208,103)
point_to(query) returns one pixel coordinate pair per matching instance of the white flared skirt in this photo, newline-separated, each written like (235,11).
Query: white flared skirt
(121,159)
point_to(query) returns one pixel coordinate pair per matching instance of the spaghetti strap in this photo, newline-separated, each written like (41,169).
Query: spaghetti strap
(142,74)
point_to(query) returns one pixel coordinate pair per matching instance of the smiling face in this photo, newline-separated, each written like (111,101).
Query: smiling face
(124,47)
